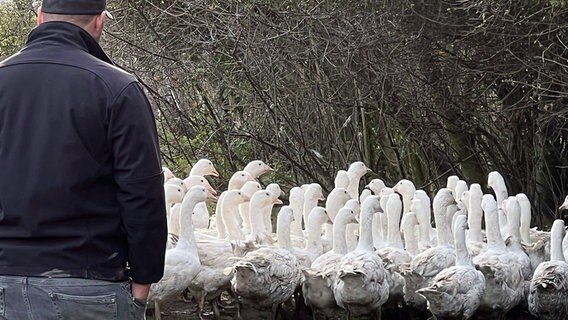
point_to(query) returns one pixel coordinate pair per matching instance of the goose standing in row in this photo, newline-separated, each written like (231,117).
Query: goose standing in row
(355,172)
(314,246)
(496,182)
(249,188)
(456,292)
(406,189)
(265,278)
(312,195)
(451,183)
(257,168)
(361,285)
(260,203)
(341,179)
(425,219)
(317,287)
(426,265)
(203,168)
(335,201)
(504,282)
(237,181)
(297,203)
(548,296)
(230,211)
(168,174)
(474,216)
(182,262)
(376,185)
(200,213)
(273,188)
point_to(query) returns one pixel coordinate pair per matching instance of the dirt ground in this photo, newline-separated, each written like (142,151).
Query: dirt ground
(180,310)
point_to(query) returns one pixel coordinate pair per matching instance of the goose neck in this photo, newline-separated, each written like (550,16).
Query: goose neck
(229,214)
(283,234)
(365,232)
(394,238)
(443,229)
(186,235)
(493,232)
(474,221)
(462,255)
(339,230)
(314,237)
(556,238)
(219,223)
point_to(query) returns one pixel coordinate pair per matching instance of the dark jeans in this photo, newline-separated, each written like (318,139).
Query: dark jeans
(31,298)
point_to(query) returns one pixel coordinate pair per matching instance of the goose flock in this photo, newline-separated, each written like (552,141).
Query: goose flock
(358,253)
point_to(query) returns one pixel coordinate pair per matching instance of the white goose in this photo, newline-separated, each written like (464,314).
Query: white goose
(284,219)
(312,195)
(361,286)
(456,292)
(230,211)
(249,188)
(536,250)
(406,189)
(237,181)
(380,220)
(297,203)
(256,168)
(376,185)
(317,286)
(504,283)
(261,202)
(202,168)
(364,194)
(496,182)
(341,179)
(426,265)
(451,183)
(200,213)
(182,262)
(173,195)
(408,226)
(266,277)
(335,201)
(475,215)
(394,255)
(548,296)
(168,174)
(355,172)
(425,218)
(273,188)
(314,246)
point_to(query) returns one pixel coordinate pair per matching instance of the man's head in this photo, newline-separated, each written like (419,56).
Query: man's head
(87,14)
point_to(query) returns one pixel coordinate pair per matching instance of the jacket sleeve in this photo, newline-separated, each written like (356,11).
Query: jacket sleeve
(138,173)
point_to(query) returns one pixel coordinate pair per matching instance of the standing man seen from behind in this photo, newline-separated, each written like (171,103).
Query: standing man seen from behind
(82,212)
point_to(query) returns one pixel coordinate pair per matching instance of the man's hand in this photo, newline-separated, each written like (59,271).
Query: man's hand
(140,291)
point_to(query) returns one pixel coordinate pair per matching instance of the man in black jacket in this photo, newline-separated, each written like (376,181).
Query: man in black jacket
(82,212)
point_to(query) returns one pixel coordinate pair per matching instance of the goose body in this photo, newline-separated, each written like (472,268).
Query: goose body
(548,295)
(504,282)
(317,286)
(361,286)
(456,292)
(182,262)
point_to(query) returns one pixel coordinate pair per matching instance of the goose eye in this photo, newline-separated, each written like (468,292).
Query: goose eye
(259,164)
(201,180)
(239,193)
(267,194)
(242,175)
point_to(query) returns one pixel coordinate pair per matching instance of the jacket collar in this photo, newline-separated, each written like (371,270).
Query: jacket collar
(64,34)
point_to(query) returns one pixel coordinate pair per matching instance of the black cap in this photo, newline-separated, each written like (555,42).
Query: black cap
(78,7)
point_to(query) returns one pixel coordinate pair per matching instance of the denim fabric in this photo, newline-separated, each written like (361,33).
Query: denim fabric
(30,298)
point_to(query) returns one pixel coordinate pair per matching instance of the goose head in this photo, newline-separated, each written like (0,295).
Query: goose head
(371,204)
(564,205)
(394,205)
(263,199)
(461,187)
(488,204)
(451,183)
(199,194)
(341,179)
(318,216)
(405,187)
(174,193)
(176,181)
(314,192)
(354,205)
(204,167)
(336,200)
(285,216)
(496,182)
(196,180)
(364,194)
(376,185)
(168,174)
(275,189)
(460,225)
(344,217)
(250,187)
(235,197)
(442,201)
(297,195)
(257,168)
(357,170)
(238,179)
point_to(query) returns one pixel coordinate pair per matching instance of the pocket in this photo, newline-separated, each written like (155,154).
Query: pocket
(71,307)
(137,307)
(2,303)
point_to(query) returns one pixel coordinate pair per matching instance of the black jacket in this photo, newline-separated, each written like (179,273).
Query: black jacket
(81,187)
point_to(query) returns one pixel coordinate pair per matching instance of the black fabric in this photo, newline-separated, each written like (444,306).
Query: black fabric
(81,187)
(79,7)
